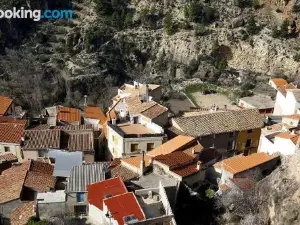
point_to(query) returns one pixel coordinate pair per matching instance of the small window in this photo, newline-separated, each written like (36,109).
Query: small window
(150,146)
(230,145)
(248,143)
(80,197)
(134,148)
(115,139)
(6,149)
(250,131)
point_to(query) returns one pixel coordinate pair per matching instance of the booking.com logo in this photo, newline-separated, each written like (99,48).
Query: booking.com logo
(36,15)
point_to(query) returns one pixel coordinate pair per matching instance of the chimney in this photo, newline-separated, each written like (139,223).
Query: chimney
(225,107)
(198,165)
(147,93)
(114,122)
(85,100)
(142,165)
(293,132)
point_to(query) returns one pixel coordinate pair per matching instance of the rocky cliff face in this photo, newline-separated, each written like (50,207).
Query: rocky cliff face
(97,50)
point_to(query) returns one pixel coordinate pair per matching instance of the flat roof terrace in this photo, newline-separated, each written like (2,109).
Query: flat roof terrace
(129,128)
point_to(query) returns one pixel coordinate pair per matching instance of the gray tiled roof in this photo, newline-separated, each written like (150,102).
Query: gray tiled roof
(83,175)
(296,93)
(260,101)
(219,122)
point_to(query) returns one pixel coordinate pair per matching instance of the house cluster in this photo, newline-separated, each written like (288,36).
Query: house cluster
(125,166)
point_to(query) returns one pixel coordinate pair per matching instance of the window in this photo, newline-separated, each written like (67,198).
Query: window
(248,143)
(115,139)
(230,145)
(134,148)
(150,146)
(80,197)
(250,131)
(6,149)
(80,209)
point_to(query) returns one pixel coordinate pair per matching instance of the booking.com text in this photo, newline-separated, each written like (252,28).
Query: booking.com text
(35,15)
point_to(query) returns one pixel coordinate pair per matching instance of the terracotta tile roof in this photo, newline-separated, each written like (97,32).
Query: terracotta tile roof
(123,172)
(11,185)
(238,164)
(18,169)
(5,103)
(129,128)
(279,82)
(172,145)
(293,137)
(174,159)
(117,170)
(124,205)
(136,161)
(11,133)
(68,114)
(39,177)
(294,117)
(97,192)
(283,89)
(154,111)
(32,174)
(81,142)
(243,184)
(219,122)
(194,150)
(21,214)
(8,157)
(95,113)
(186,170)
(42,139)
(6,119)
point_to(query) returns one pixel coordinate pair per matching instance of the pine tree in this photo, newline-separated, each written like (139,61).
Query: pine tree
(168,24)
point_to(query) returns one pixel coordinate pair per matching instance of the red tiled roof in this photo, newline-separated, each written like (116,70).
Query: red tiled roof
(124,205)
(172,145)
(11,182)
(5,103)
(68,114)
(186,170)
(283,89)
(31,174)
(21,214)
(174,159)
(6,119)
(293,137)
(8,157)
(154,111)
(95,113)
(11,133)
(279,82)
(40,178)
(136,161)
(241,163)
(98,191)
